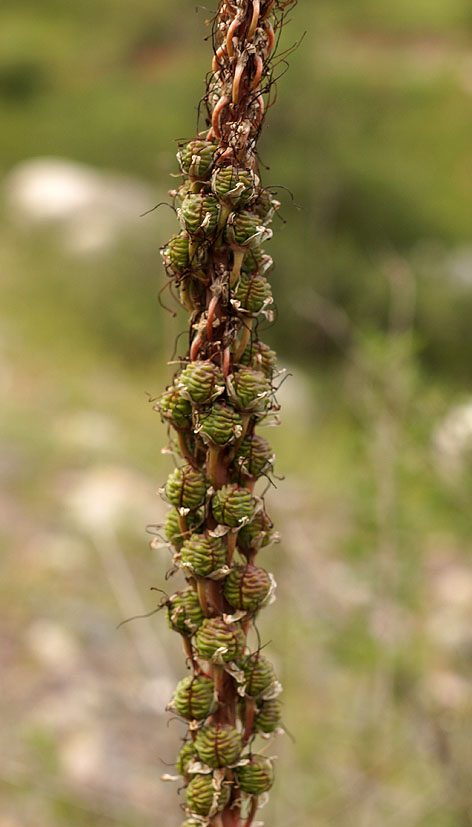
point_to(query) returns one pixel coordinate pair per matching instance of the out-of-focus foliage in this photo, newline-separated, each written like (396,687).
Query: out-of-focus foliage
(372,134)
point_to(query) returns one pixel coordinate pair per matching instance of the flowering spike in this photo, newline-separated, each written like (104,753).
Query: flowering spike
(224,388)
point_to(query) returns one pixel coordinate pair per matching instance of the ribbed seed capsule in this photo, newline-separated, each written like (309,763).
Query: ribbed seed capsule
(254,456)
(199,214)
(201,382)
(202,555)
(187,755)
(260,357)
(249,389)
(176,253)
(253,293)
(219,425)
(218,745)
(184,613)
(219,642)
(259,675)
(265,206)
(268,716)
(246,587)
(257,776)
(193,698)
(233,186)
(256,534)
(174,408)
(233,506)
(205,796)
(244,229)
(186,487)
(173,530)
(196,159)
(181,192)
(256,261)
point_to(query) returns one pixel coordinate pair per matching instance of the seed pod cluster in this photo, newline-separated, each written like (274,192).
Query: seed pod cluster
(223,391)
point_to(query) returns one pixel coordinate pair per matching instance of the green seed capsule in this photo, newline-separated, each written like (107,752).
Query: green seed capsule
(202,555)
(201,382)
(184,613)
(176,253)
(259,675)
(219,642)
(268,717)
(187,755)
(186,487)
(199,214)
(246,587)
(181,192)
(265,206)
(256,534)
(196,159)
(260,357)
(194,697)
(249,389)
(174,408)
(233,186)
(256,261)
(253,293)
(219,425)
(172,527)
(191,822)
(257,776)
(254,456)
(205,796)
(233,506)
(218,745)
(244,229)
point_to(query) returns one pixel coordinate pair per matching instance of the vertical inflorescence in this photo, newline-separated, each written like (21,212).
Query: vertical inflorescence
(224,389)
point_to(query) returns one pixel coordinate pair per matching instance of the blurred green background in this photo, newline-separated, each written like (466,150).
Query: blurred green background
(371,632)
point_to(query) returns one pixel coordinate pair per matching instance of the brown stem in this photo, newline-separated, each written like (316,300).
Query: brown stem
(231,818)
(183,524)
(238,258)
(253,812)
(216,470)
(212,465)
(202,596)
(181,438)
(218,678)
(231,539)
(256,10)
(224,212)
(250,709)
(226,361)
(188,650)
(246,335)
(196,345)
(215,597)
(210,317)
(185,299)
